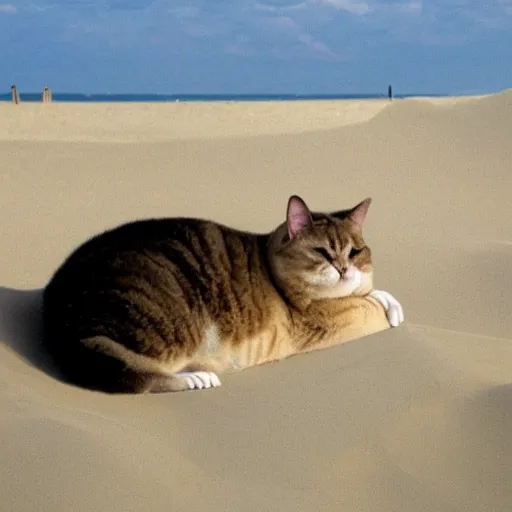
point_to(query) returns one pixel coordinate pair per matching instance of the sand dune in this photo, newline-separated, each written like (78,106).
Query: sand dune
(151,122)
(415,418)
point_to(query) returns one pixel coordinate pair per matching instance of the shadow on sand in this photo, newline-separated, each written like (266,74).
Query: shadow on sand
(21,327)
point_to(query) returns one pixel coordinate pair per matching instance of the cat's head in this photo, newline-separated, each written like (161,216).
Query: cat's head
(320,256)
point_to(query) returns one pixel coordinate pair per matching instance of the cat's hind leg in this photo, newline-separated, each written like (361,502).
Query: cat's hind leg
(199,374)
(102,364)
(198,380)
(182,381)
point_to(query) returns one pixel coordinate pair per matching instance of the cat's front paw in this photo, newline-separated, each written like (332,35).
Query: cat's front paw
(393,308)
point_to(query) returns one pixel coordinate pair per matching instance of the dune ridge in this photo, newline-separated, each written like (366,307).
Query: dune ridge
(414,418)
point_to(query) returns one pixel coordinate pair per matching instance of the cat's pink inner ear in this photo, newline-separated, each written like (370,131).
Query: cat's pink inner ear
(358,213)
(298,216)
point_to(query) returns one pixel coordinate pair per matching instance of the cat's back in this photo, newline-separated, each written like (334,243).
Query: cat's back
(148,273)
(188,250)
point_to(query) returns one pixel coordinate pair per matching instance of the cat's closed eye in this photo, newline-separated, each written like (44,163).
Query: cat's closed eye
(354,252)
(323,252)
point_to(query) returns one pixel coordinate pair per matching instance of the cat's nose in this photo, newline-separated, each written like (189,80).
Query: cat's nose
(340,268)
(347,273)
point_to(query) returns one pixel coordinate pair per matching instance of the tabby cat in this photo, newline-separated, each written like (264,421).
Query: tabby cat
(167,304)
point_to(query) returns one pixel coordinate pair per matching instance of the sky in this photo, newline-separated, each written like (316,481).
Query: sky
(256,47)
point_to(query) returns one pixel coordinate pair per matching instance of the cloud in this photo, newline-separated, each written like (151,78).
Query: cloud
(280,6)
(351,6)
(130,5)
(412,7)
(7,8)
(295,33)
(316,46)
(285,29)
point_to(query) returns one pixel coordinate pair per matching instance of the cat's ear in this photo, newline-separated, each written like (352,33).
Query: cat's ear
(298,216)
(358,213)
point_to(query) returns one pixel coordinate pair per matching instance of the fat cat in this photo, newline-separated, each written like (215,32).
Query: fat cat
(168,304)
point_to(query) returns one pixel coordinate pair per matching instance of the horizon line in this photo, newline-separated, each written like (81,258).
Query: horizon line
(233,94)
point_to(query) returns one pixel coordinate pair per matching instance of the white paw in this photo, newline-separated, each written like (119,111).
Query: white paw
(200,380)
(394,310)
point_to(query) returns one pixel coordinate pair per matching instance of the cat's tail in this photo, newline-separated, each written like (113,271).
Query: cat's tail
(100,364)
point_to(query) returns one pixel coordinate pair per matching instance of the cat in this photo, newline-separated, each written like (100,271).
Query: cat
(168,304)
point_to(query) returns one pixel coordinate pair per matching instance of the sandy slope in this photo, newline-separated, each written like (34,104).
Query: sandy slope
(120,122)
(416,418)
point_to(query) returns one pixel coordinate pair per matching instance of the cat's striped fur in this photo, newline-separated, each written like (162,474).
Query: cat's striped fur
(167,304)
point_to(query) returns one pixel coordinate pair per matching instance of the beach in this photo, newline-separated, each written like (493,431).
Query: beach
(414,418)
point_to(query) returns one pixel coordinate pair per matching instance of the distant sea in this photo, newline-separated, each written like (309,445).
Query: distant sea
(84,98)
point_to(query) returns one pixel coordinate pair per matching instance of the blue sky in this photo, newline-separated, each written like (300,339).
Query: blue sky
(248,46)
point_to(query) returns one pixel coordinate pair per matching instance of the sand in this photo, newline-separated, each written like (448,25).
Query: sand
(416,418)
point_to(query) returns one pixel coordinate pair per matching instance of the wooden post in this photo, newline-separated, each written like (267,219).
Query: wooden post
(15,95)
(47,95)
